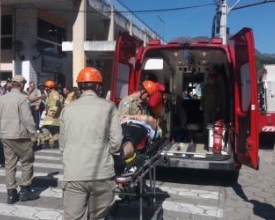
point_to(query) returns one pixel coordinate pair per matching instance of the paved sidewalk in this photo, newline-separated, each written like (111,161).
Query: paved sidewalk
(253,197)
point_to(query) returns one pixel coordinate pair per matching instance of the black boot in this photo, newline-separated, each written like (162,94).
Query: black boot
(26,193)
(36,146)
(56,144)
(12,196)
(46,144)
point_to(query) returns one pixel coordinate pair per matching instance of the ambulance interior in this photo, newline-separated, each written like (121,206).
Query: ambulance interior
(184,72)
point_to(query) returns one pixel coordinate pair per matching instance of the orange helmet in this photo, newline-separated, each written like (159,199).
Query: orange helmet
(150,87)
(89,74)
(49,84)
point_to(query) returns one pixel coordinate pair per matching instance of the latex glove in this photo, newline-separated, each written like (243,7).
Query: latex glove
(34,137)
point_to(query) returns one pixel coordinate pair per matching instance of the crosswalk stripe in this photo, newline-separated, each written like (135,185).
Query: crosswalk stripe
(57,176)
(166,205)
(49,192)
(189,193)
(30,212)
(24,211)
(40,157)
(48,165)
(57,192)
(48,151)
(47,213)
(193,209)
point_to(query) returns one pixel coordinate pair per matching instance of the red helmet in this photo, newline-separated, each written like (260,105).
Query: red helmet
(89,74)
(49,84)
(156,102)
(150,87)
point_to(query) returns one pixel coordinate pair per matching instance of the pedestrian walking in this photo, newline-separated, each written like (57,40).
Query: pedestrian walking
(7,87)
(35,99)
(17,129)
(90,132)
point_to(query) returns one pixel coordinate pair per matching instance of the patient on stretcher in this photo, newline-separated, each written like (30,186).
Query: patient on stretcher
(138,132)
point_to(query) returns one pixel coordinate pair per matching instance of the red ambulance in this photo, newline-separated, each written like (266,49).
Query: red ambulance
(191,140)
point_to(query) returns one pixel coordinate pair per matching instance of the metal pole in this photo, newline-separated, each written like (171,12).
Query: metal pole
(161,27)
(0,37)
(223,21)
(154,183)
(111,32)
(140,197)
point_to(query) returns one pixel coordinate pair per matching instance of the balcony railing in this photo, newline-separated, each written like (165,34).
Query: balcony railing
(123,16)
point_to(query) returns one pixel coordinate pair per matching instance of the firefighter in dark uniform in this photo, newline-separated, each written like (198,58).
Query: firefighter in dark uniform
(50,127)
(17,131)
(137,103)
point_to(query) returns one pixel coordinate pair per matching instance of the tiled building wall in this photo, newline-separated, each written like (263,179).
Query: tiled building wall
(25,19)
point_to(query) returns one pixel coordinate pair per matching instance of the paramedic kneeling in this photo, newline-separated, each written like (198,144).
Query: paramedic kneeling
(90,132)
(137,103)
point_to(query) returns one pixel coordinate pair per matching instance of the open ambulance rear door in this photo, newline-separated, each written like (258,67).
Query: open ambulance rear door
(123,73)
(245,98)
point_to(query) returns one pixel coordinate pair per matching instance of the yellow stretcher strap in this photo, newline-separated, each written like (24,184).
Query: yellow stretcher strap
(130,159)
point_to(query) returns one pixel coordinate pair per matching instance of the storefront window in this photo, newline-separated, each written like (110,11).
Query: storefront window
(6,38)
(49,40)
(50,32)
(5,75)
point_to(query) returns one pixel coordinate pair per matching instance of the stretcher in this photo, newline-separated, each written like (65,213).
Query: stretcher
(137,185)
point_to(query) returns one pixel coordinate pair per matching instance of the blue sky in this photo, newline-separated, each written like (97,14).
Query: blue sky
(198,21)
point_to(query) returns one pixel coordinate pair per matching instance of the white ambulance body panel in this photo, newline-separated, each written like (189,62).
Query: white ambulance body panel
(269,83)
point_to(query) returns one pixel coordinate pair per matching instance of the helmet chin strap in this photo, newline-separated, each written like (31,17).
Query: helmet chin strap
(99,91)
(142,92)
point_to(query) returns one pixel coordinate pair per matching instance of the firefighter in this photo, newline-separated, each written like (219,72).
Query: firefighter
(157,104)
(90,132)
(137,103)
(157,101)
(70,95)
(17,129)
(50,127)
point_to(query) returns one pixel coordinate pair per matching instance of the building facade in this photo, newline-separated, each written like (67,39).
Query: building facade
(54,39)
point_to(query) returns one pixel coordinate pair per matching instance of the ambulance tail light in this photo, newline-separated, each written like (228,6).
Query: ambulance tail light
(154,42)
(269,121)
(173,42)
(216,40)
